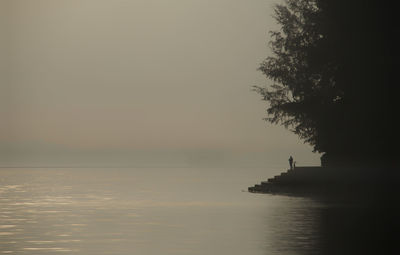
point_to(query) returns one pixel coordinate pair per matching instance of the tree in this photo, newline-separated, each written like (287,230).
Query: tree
(327,88)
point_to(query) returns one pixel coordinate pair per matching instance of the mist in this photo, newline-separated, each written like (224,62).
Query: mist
(122,82)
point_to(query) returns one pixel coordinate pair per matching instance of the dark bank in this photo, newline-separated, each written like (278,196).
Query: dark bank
(336,181)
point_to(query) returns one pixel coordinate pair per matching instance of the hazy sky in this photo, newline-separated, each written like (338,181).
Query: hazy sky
(151,77)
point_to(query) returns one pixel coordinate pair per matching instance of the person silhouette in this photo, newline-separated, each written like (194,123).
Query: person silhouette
(291,162)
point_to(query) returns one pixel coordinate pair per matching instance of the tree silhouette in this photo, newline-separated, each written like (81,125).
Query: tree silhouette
(331,69)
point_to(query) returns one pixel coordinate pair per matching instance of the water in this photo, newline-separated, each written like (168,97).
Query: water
(159,211)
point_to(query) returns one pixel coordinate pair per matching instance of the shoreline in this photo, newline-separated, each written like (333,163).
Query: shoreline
(332,181)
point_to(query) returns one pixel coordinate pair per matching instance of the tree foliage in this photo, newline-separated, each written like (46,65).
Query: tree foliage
(329,81)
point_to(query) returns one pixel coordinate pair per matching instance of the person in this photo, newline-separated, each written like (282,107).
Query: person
(291,162)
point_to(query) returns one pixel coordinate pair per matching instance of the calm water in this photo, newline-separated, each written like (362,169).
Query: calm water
(160,211)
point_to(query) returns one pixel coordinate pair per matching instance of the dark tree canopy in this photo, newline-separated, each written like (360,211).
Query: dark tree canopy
(331,70)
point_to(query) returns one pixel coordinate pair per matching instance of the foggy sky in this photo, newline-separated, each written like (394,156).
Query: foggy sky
(160,78)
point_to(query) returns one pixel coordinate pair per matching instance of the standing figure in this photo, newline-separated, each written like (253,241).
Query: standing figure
(291,162)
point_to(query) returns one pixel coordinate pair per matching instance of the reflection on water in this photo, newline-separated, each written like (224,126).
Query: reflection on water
(173,211)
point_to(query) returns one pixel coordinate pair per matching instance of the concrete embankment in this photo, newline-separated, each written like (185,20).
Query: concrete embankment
(328,180)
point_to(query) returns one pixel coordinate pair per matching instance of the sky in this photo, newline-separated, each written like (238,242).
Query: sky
(138,82)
